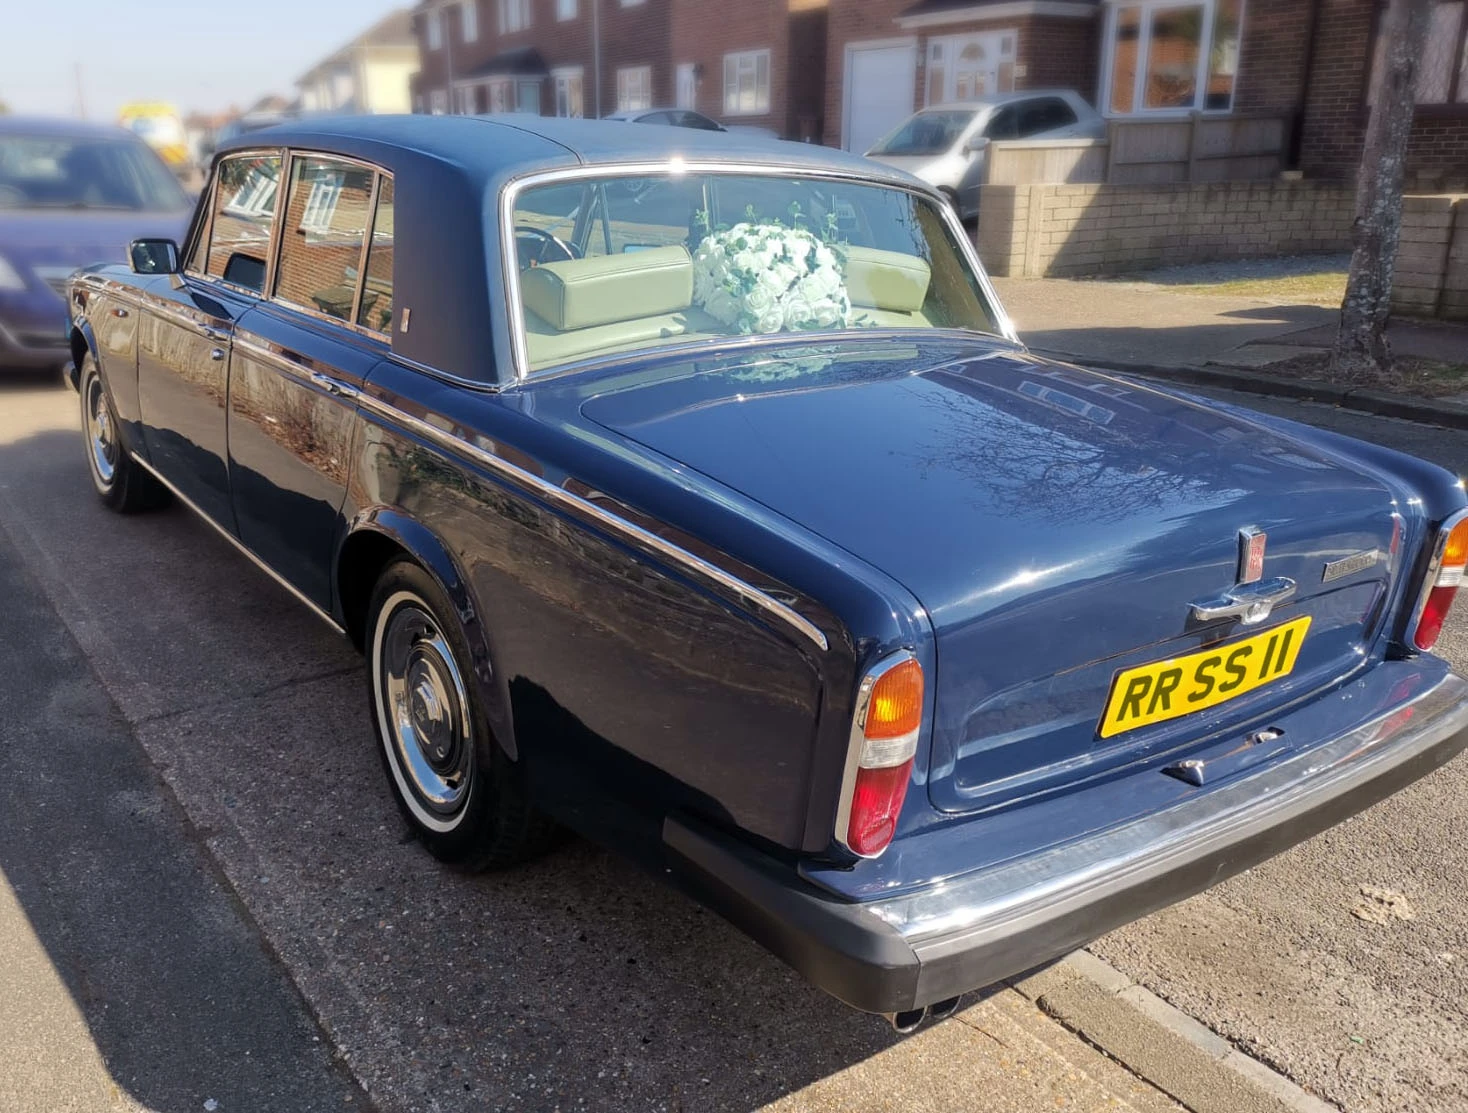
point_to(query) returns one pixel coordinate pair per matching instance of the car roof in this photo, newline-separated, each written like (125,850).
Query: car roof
(62,127)
(994,100)
(448,172)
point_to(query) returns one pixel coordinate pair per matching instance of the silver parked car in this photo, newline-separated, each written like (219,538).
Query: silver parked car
(945,145)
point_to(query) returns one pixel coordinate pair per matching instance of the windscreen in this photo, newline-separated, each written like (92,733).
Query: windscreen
(927,133)
(614,264)
(39,171)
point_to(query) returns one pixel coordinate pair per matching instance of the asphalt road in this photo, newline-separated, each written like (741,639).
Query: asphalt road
(578,982)
(574,983)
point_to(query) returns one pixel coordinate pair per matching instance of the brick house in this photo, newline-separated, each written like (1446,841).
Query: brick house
(1309,60)
(757,62)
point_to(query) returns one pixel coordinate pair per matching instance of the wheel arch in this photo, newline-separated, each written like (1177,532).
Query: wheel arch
(380,535)
(83,343)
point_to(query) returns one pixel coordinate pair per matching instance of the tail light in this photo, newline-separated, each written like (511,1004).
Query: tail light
(884,738)
(1440,585)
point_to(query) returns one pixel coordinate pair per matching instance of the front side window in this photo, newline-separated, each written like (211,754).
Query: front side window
(240,227)
(65,172)
(747,83)
(327,213)
(620,263)
(634,88)
(927,133)
(1166,56)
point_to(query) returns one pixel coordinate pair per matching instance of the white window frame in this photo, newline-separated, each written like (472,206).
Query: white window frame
(469,20)
(500,94)
(625,76)
(943,50)
(567,10)
(464,100)
(438,102)
(561,78)
(685,90)
(432,30)
(514,16)
(321,204)
(1144,50)
(735,63)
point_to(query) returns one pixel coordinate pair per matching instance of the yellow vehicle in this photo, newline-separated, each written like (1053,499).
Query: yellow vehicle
(159,126)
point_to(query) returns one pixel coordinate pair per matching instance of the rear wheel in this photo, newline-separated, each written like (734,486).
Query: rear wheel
(464,799)
(122,484)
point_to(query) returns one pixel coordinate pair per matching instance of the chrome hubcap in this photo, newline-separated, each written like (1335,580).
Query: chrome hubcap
(426,709)
(100,434)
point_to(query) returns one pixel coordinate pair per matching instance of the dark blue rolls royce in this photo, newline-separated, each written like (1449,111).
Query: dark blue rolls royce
(694,492)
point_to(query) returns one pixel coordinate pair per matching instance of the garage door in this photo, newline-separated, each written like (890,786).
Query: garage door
(879,91)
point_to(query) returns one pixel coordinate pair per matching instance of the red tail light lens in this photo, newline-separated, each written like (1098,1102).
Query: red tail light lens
(884,739)
(1443,577)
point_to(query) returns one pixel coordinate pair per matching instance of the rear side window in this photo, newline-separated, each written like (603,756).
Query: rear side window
(242,221)
(1045,115)
(375,311)
(328,210)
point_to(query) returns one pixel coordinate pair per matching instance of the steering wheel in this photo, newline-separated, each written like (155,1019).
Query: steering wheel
(532,245)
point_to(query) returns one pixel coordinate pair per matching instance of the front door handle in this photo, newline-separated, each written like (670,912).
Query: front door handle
(332,386)
(216,354)
(1249,603)
(118,311)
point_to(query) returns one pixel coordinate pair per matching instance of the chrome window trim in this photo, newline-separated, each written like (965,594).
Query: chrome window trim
(1429,579)
(240,545)
(744,592)
(208,230)
(277,245)
(510,194)
(856,742)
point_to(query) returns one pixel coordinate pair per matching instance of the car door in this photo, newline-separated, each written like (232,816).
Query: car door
(187,329)
(299,362)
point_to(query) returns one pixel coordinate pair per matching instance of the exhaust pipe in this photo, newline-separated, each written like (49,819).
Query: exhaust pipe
(909,1020)
(942,1010)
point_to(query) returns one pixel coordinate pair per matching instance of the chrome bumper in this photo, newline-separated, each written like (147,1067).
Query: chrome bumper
(909,951)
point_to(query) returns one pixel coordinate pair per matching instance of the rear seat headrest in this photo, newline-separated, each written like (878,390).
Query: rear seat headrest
(605,289)
(890,280)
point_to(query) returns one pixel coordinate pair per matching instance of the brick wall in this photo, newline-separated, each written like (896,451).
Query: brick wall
(1056,230)
(1431,274)
(1272,55)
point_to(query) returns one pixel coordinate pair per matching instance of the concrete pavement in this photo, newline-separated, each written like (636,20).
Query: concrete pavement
(573,983)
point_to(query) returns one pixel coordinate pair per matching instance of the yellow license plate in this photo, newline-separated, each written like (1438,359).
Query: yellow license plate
(1164,690)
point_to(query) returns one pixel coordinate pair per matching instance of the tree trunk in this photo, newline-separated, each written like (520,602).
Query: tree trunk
(1361,352)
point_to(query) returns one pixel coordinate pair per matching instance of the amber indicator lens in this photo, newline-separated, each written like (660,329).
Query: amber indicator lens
(1444,589)
(896,706)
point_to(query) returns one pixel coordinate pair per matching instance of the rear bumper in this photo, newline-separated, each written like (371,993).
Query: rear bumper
(912,950)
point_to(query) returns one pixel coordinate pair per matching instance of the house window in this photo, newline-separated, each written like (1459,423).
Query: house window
(565,9)
(1166,56)
(466,105)
(966,67)
(1442,75)
(321,202)
(687,85)
(514,16)
(634,88)
(438,102)
(433,30)
(747,83)
(568,92)
(469,14)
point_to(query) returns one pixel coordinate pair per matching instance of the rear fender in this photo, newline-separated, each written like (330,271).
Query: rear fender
(424,547)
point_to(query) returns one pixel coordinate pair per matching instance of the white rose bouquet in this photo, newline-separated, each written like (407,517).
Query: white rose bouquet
(767,277)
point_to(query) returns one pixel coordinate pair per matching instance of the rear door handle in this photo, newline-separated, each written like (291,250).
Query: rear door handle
(216,354)
(332,386)
(119,312)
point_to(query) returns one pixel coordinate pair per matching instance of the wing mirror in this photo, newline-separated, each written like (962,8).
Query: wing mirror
(153,256)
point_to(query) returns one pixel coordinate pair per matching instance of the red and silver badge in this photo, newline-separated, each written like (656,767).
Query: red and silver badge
(1251,554)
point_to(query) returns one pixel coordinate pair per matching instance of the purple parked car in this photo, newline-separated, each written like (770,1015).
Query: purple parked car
(71,194)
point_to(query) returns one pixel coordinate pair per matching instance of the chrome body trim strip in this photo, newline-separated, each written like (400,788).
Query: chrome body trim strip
(746,593)
(1429,579)
(857,742)
(295,369)
(510,194)
(240,545)
(1024,895)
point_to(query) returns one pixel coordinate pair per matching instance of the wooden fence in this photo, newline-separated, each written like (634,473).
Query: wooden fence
(1195,148)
